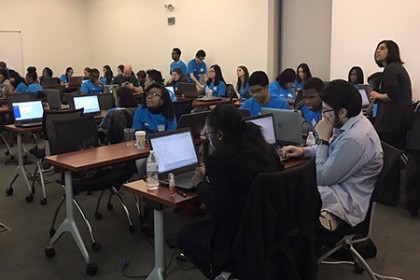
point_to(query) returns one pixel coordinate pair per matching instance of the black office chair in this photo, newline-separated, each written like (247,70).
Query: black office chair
(361,233)
(276,238)
(112,126)
(182,108)
(17,97)
(106,101)
(230,91)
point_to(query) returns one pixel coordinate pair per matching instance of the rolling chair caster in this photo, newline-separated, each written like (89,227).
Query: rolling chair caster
(91,269)
(43,201)
(29,198)
(96,246)
(98,216)
(49,252)
(9,191)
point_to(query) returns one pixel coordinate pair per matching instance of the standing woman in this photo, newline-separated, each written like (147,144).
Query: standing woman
(215,83)
(356,76)
(303,73)
(242,85)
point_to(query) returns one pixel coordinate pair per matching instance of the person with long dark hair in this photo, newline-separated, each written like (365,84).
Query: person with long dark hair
(46,73)
(303,73)
(282,86)
(242,85)
(356,76)
(240,154)
(18,83)
(65,78)
(108,75)
(215,83)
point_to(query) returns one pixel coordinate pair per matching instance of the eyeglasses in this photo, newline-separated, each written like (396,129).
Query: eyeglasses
(206,134)
(153,94)
(256,91)
(326,111)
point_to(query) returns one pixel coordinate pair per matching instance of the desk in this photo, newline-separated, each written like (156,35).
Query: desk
(161,196)
(84,160)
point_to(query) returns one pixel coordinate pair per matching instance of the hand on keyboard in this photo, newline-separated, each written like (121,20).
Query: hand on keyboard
(198,176)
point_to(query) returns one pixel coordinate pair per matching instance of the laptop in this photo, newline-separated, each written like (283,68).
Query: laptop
(28,113)
(175,153)
(75,81)
(195,121)
(110,89)
(172,95)
(189,90)
(89,103)
(50,82)
(287,125)
(364,94)
(209,98)
(53,99)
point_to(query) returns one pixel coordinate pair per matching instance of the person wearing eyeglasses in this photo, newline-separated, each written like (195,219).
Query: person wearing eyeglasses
(349,158)
(215,84)
(177,62)
(258,88)
(197,69)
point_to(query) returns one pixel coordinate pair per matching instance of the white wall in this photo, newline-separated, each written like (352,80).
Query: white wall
(306,35)
(53,32)
(358,27)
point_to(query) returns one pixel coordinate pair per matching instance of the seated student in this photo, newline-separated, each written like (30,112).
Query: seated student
(153,76)
(374,82)
(282,86)
(18,83)
(46,73)
(303,74)
(3,65)
(141,77)
(215,84)
(65,78)
(258,88)
(31,69)
(240,154)
(197,68)
(120,69)
(92,86)
(86,73)
(312,107)
(5,86)
(176,78)
(127,79)
(356,76)
(349,158)
(33,87)
(177,62)
(242,85)
(108,75)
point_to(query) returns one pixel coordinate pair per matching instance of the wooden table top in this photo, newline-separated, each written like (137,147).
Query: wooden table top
(22,130)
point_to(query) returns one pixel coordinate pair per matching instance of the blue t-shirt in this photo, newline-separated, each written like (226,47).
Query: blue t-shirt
(255,108)
(64,78)
(219,91)
(198,69)
(103,81)
(152,123)
(90,87)
(244,91)
(298,85)
(33,89)
(274,88)
(311,117)
(21,87)
(181,65)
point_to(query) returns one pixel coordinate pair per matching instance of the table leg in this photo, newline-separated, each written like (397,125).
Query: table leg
(20,169)
(158,272)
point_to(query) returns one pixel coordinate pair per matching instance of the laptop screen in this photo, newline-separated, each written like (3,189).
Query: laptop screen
(174,150)
(90,103)
(31,110)
(172,95)
(266,123)
(365,99)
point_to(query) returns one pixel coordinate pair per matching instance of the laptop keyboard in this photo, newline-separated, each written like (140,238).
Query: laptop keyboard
(184,180)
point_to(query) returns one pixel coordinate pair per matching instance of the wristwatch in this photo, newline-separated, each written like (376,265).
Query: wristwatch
(322,142)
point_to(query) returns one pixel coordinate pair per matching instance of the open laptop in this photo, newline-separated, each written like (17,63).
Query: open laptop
(189,90)
(172,95)
(195,121)
(75,81)
(175,153)
(364,94)
(209,98)
(53,99)
(287,124)
(89,103)
(28,113)
(50,82)
(299,100)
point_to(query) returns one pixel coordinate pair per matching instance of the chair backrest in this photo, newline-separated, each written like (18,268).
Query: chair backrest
(230,91)
(182,108)
(48,126)
(17,97)
(106,101)
(69,141)
(50,82)
(53,98)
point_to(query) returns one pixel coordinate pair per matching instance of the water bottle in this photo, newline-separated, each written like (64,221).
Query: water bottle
(152,172)
(171,184)
(310,140)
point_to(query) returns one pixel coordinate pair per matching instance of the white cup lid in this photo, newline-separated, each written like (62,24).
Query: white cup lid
(140,132)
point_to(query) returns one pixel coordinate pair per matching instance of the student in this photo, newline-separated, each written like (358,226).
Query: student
(46,73)
(5,86)
(153,76)
(18,83)
(127,79)
(177,77)
(258,88)
(34,88)
(31,69)
(240,154)
(356,76)
(349,158)
(177,63)
(215,84)
(65,78)
(282,86)
(312,107)
(92,86)
(141,77)
(242,85)
(374,81)
(108,75)
(303,74)
(86,73)
(120,69)
(3,65)
(197,68)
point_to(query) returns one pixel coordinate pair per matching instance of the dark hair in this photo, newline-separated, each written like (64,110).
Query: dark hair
(167,108)
(108,74)
(258,78)
(49,72)
(374,80)
(3,72)
(179,72)
(3,65)
(393,52)
(359,74)
(177,51)
(31,76)
(67,75)
(314,83)
(17,79)
(218,78)
(306,71)
(31,69)
(94,71)
(246,78)
(287,76)
(200,53)
(121,67)
(341,94)
(154,75)
(126,98)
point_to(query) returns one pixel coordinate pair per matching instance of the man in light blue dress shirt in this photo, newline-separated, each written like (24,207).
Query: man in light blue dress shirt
(349,158)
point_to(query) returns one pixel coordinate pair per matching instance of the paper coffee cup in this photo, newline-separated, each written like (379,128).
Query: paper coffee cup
(140,139)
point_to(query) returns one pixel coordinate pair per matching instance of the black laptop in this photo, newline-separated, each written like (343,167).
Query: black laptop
(28,114)
(195,121)
(189,90)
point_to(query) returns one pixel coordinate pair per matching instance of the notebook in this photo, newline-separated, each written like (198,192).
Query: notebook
(195,121)
(89,103)
(175,153)
(28,113)
(189,90)
(287,125)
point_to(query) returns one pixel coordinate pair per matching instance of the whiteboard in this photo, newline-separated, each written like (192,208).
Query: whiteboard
(11,50)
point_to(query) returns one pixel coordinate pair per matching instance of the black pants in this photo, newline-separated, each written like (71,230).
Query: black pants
(413,181)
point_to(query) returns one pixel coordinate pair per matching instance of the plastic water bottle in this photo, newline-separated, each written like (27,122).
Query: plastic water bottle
(171,184)
(152,172)
(310,140)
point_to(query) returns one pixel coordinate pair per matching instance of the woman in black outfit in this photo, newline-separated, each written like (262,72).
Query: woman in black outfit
(240,154)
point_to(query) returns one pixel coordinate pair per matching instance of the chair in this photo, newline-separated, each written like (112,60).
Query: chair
(230,91)
(361,232)
(50,82)
(182,108)
(53,98)
(112,126)
(106,101)
(277,232)
(17,97)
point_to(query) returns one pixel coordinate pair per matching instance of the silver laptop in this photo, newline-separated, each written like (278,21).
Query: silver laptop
(287,124)
(89,103)
(175,153)
(28,113)
(189,90)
